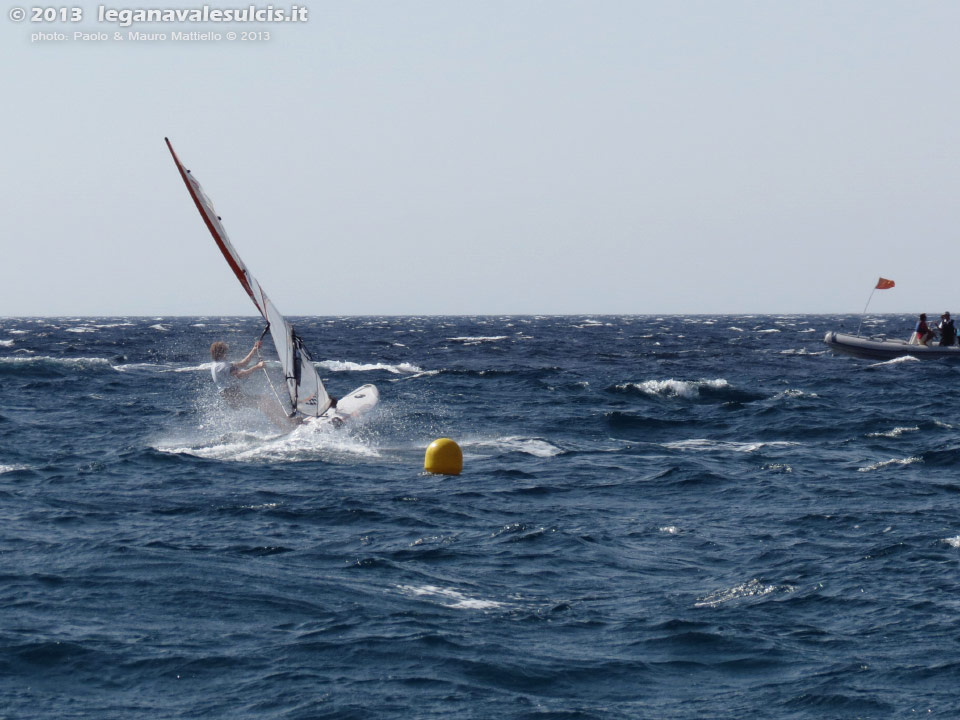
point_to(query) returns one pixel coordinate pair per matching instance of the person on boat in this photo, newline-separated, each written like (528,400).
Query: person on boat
(923,332)
(948,331)
(227,375)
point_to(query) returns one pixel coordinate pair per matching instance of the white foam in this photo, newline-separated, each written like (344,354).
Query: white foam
(347,366)
(471,340)
(19,332)
(81,329)
(896,361)
(675,388)
(531,446)
(425,373)
(670,530)
(792,393)
(890,463)
(80,362)
(12,468)
(304,443)
(896,432)
(705,445)
(953,542)
(6,343)
(753,588)
(160,327)
(450,598)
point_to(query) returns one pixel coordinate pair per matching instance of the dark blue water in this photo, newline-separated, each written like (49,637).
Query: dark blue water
(680,517)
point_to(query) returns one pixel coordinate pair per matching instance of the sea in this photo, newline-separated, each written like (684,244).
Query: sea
(658,516)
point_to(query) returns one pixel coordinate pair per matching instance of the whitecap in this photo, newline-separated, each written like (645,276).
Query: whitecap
(82,363)
(896,361)
(19,332)
(896,432)
(81,329)
(803,351)
(953,542)
(676,388)
(703,444)
(12,468)
(889,463)
(670,530)
(450,598)
(753,588)
(793,394)
(779,468)
(476,340)
(531,446)
(158,326)
(348,366)
(425,373)
(6,343)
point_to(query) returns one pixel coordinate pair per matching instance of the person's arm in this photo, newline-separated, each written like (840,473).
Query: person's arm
(249,371)
(243,363)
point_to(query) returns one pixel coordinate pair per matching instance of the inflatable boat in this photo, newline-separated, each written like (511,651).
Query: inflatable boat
(881,348)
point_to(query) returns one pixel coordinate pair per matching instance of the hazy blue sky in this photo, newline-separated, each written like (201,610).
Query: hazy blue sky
(492,156)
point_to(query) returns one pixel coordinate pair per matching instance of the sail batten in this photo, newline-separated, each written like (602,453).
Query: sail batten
(304,387)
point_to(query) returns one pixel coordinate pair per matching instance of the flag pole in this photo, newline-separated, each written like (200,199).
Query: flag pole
(865,310)
(882,284)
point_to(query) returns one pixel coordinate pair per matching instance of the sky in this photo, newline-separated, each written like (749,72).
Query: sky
(395,157)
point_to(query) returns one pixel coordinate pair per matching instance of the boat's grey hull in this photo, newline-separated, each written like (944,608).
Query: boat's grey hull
(886,349)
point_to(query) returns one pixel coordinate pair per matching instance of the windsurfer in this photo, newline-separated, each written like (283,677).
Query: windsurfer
(227,375)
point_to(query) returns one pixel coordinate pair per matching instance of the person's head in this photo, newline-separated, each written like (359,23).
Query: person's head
(923,316)
(946,315)
(218,351)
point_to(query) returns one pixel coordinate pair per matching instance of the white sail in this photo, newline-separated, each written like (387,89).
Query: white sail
(307,394)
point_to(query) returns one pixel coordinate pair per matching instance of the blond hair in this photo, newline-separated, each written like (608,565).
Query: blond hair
(218,351)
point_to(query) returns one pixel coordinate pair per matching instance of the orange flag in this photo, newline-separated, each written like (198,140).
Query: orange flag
(884,284)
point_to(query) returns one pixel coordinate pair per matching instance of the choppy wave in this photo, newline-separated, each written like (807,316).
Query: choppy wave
(895,433)
(449,597)
(478,339)
(675,388)
(893,462)
(537,447)
(303,444)
(12,468)
(348,366)
(751,589)
(40,363)
(706,445)
(633,522)
(896,361)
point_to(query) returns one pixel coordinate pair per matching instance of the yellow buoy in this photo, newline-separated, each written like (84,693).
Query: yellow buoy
(443,457)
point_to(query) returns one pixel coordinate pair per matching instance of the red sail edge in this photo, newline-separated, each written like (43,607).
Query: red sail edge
(221,241)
